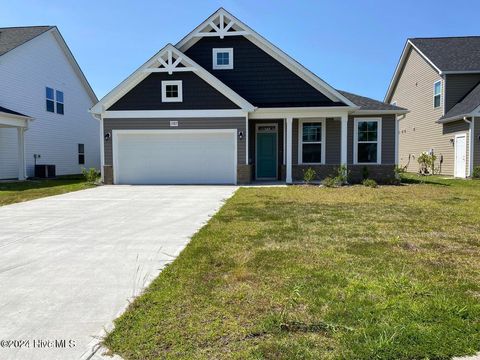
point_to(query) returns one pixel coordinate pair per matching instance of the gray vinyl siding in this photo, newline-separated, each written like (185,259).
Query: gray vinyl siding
(457,86)
(333,140)
(197,95)
(188,123)
(418,130)
(257,76)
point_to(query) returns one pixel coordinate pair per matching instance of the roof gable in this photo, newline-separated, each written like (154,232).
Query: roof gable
(223,24)
(11,38)
(168,60)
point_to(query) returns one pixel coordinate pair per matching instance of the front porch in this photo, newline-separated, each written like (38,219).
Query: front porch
(281,149)
(12,120)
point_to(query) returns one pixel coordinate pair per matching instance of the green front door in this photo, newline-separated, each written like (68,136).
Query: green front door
(266,155)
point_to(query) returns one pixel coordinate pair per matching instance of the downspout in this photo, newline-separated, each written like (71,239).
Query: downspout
(397,121)
(471,144)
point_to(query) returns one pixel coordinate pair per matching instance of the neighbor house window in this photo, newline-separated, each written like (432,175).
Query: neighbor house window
(311,142)
(172,91)
(222,59)
(50,99)
(367,141)
(54,100)
(437,93)
(81,154)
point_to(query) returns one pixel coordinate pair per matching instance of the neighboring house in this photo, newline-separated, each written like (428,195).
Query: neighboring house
(224,105)
(44,103)
(438,80)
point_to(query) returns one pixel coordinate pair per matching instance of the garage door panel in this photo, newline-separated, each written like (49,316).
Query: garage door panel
(176,157)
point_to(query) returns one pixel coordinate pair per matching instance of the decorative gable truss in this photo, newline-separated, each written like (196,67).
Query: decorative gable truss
(221,25)
(168,60)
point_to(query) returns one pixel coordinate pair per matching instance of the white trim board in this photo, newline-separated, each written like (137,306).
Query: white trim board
(148,114)
(156,62)
(270,49)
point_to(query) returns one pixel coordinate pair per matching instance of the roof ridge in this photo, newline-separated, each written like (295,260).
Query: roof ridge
(445,37)
(27,27)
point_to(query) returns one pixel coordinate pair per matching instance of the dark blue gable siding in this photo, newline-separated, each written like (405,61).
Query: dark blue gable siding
(256,76)
(197,95)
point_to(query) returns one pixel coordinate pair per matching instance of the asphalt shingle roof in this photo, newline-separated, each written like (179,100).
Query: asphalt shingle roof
(10,38)
(465,106)
(451,53)
(8,111)
(366,103)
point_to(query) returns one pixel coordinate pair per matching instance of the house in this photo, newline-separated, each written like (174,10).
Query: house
(438,80)
(44,103)
(224,105)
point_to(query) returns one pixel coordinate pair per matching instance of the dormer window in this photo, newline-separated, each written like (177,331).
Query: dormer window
(172,91)
(222,58)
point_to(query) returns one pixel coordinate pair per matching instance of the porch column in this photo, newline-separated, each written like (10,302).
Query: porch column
(344,140)
(289,149)
(21,153)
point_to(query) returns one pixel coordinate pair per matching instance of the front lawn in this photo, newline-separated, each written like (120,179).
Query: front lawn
(18,191)
(320,273)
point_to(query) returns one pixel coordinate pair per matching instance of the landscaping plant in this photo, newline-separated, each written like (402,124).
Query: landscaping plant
(427,163)
(309,175)
(476,172)
(369,183)
(91,175)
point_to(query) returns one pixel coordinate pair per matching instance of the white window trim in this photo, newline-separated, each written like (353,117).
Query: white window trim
(441,97)
(300,140)
(215,66)
(379,141)
(179,98)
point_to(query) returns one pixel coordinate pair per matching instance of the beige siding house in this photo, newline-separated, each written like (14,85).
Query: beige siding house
(441,88)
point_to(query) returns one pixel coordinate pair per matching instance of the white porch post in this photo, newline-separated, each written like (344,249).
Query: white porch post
(21,153)
(289,149)
(344,140)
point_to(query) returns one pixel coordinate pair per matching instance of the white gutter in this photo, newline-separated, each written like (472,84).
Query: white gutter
(397,142)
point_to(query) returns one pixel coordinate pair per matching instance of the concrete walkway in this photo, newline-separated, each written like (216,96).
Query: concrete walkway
(69,263)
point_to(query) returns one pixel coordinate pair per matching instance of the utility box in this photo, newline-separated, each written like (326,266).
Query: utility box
(45,171)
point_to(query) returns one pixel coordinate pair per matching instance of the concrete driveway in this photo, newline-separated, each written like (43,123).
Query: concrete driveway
(70,263)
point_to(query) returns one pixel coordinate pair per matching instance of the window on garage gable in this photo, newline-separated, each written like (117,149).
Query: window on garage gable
(172,91)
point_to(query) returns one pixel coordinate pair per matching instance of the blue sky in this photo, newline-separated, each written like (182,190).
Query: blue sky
(353,45)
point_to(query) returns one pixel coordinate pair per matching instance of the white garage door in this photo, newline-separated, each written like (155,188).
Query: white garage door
(174,156)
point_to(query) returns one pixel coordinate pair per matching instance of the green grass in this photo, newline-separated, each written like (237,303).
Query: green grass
(320,273)
(18,191)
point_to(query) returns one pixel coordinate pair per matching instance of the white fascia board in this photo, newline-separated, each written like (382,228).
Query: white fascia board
(300,112)
(141,73)
(148,114)
(273,51)
(10,120)
(73,62)
(401,63)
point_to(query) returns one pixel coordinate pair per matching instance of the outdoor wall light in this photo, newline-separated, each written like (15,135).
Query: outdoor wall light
(240,135)
(451,141)
(107,136)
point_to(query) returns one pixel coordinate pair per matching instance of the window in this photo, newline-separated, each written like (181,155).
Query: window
(311,142)
(50,100)
(172,91)
(54,99)
(81,154)
(437,93)
(59,97)
(367,141)
(222,59)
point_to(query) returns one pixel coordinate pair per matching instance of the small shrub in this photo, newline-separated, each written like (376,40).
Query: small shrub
(370,183)
(476,172)
(427,163)
(342,175)
(331,182)
(365,173)
(309,175)
(91,175)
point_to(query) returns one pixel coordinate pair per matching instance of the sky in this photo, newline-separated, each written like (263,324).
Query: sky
(353,45)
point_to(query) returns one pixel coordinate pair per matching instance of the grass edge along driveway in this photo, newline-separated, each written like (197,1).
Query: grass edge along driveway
(19,191)
(309,273)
